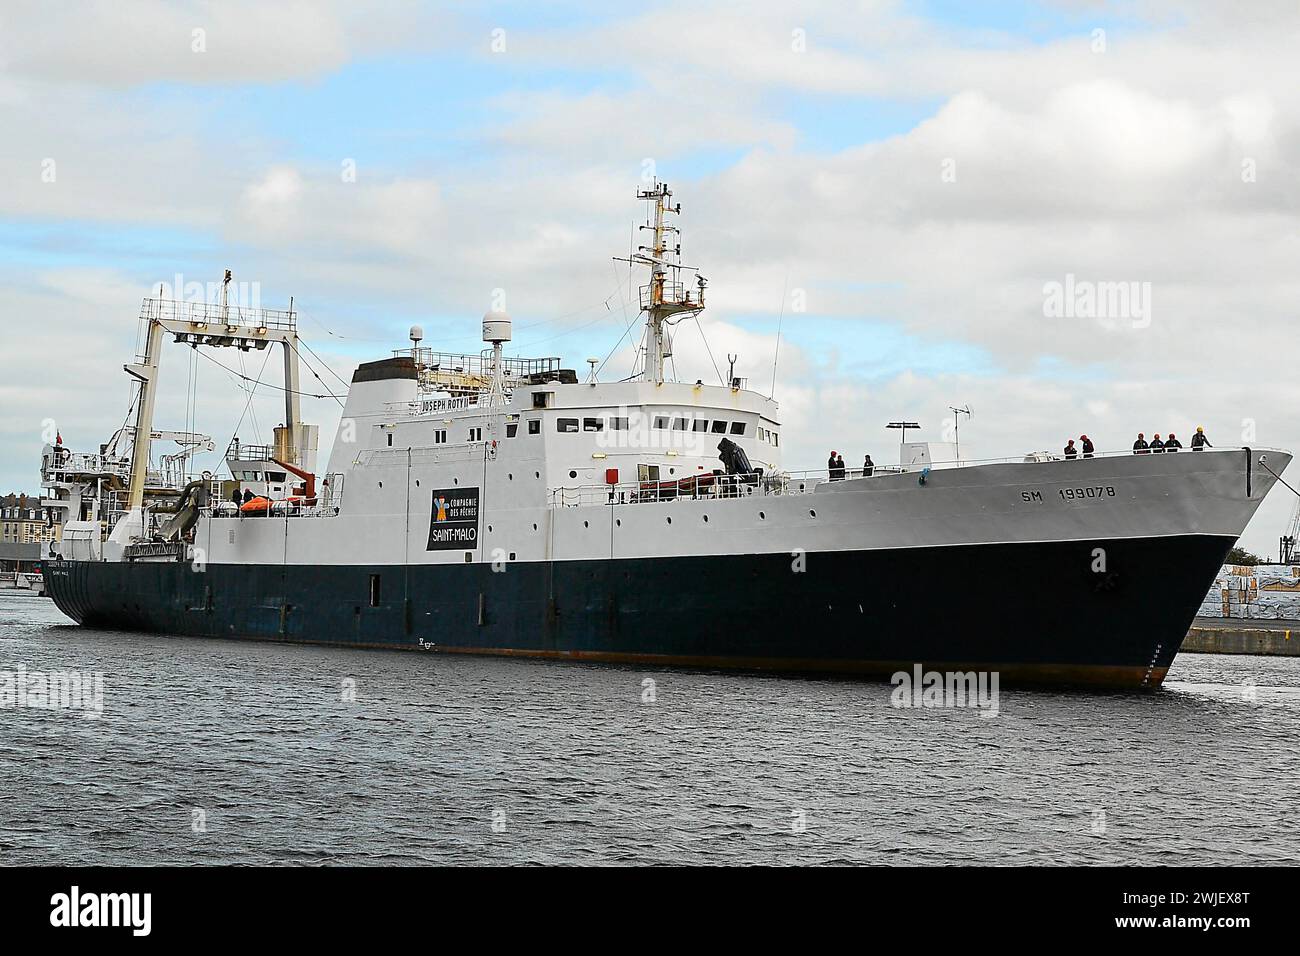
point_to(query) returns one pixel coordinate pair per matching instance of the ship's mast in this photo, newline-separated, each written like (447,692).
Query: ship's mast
(664,300)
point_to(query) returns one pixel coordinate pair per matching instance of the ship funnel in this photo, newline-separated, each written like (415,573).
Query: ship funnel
(496,327)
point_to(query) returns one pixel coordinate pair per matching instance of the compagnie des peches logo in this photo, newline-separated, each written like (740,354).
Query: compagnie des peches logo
(453,519)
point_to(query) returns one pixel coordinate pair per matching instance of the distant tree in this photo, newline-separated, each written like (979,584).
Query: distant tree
(1243,557)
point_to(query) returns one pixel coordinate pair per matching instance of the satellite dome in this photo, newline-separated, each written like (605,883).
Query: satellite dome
(496,327)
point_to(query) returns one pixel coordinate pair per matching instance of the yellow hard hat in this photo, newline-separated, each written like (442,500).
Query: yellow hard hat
(1200,428)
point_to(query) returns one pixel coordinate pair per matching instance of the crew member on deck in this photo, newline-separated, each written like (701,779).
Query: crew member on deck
(1172,443)
(830,466)
(1157,445)
(1199,440)
(248,495)
(839,466)
(1070,450)
(1087,446)
(1140,446)
(868,467)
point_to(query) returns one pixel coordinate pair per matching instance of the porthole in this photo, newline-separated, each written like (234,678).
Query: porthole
(489,529)
(511,477)
(586,524)
(670,520)
(417,482)
(812,514)
(534,527)
(706,519)
(618,522)
(672,471)
(573,474)
(455,481)
(762,516)
(537,474)
(381,484)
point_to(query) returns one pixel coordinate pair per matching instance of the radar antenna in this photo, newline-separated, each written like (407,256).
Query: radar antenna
(665,299)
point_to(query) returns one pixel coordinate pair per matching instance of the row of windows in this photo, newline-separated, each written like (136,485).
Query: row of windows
(31,514)
(616,423)
(662,422)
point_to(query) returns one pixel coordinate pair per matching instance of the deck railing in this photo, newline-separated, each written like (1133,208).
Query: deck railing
(215,314)
(710,486)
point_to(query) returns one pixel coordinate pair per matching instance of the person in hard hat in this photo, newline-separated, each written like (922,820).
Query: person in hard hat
(1172,443)
(1199,440)
(1070,451)
(830,466)
(1157,445)
(1088,448)
(1140,446)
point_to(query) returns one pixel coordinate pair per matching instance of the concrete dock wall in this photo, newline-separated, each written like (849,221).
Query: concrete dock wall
(1226,636)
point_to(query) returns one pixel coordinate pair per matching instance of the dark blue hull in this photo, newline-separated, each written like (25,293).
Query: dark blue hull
(1034,612)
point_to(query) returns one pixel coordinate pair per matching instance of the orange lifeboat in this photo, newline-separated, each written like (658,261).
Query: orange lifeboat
(256,505)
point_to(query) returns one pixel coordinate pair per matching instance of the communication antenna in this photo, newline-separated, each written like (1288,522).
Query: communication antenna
(956,417)
(731,370)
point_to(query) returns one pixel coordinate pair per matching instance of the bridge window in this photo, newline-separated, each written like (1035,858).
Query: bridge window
(534,426)
(592,425)
(679,424)
(700,425)
(542,399)
(661,421)
(737,428)
(566,424)
(511,429)
(618,424)
(719,428)
(440,436)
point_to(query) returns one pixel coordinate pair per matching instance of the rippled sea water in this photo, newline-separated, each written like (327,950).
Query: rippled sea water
(479,760)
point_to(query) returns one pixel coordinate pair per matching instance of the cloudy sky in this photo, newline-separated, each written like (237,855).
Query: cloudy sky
(900,186)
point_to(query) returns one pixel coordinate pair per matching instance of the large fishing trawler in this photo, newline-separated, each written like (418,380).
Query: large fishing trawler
(485,504)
